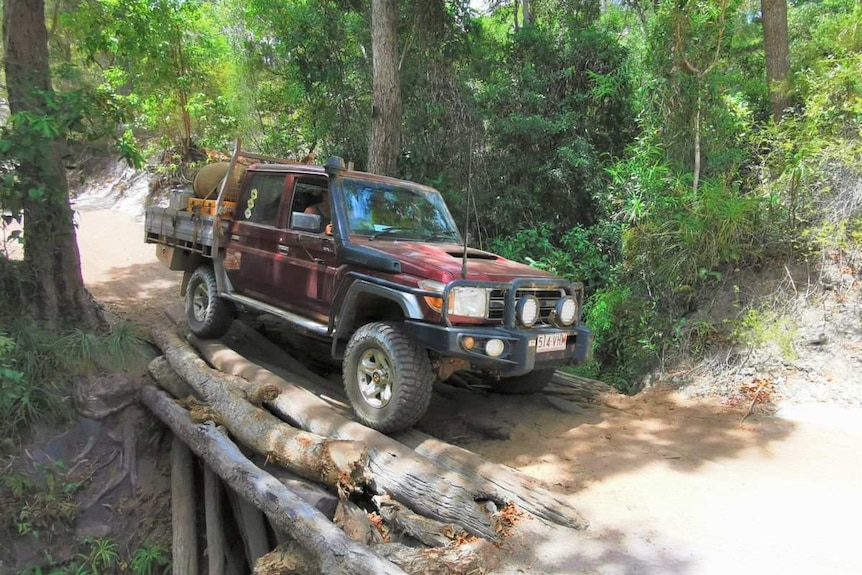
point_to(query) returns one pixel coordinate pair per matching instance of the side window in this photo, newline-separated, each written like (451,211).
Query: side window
(263,199)
(311,195)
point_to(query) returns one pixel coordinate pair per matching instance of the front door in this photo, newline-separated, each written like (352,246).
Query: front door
(309,258)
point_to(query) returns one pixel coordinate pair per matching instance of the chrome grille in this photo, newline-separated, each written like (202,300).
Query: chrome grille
(547,300)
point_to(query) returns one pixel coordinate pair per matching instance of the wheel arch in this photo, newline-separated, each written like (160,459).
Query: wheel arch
(365,302)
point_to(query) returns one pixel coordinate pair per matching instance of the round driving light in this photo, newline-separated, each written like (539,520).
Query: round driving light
(468,342)
(566,310)
(528,311)
(495,347)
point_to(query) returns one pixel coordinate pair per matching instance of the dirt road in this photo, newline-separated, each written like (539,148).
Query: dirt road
(671,486)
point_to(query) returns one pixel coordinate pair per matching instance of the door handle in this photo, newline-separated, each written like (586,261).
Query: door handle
(284,250)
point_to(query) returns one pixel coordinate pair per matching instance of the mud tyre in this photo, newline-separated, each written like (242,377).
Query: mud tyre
(387,377)
(533,382)
(208,315)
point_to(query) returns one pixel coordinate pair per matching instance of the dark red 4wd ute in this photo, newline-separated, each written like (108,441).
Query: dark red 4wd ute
(376,267)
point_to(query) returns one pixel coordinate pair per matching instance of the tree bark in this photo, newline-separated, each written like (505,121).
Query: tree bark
(215,529)
(252,527)
(58,298)
(526,492)
(385,145)
(776,48)
(183,515)
(339,464)
(394,469)
(334,553)
(408,477)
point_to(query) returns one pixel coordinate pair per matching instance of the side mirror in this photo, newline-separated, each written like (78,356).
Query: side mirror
(305,222)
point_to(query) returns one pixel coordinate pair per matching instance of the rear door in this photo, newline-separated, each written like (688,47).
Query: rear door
(257,234)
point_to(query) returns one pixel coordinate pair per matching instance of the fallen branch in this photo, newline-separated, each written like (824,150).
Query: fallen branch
(332,551)
(437,459)
(340,464)
(415,481)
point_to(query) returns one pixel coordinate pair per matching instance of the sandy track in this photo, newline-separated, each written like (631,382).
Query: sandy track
(671,486)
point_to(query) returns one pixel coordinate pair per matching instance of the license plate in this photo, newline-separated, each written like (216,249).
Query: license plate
(550,342)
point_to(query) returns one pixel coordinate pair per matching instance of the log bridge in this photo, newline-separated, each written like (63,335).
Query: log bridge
(281,480)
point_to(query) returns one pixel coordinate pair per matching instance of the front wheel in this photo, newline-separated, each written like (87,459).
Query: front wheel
(532,382)
(208,315)
(387,377)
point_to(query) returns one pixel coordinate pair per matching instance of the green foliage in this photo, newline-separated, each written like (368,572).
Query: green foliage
(586,254)
(150,559)
(554,107)
(759,327)
(37,368)
(627,334)
(166,56)
(101,556)
(41,502)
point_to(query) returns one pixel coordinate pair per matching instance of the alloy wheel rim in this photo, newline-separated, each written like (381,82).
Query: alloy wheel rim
(200,302)
(374,376)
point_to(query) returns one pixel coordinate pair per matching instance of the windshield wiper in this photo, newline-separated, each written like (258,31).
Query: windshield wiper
(389,231)
(442,235)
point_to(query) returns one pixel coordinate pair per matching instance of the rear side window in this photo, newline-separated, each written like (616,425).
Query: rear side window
(263,199)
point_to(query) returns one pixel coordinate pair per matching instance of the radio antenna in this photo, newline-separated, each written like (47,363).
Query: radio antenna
(467,215)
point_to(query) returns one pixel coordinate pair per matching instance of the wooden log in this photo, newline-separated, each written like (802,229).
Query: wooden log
(286,559)
(356,524)
(526,492)
(252,527)
(310,492)
(168,379)
(332,551)
(183,518)
(496,482)
(340,464)
(592,387)
(431,533)
(215,529)
(464,558)
(418,483)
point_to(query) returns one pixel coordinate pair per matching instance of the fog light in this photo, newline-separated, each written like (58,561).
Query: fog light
(495,347)
(528,310)
(468,342)
(566,311)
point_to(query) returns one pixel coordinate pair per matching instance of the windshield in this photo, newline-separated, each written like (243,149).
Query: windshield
(381,210)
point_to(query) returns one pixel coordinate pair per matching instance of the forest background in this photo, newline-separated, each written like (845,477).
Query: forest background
(649,148)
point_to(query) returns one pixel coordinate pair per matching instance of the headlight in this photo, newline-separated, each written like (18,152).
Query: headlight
(566,311)
(528,310)
(463,301)
(468,302)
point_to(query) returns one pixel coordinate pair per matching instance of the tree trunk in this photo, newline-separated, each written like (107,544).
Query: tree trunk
(385,142)
(333,552)
(527,16)
(776,48)
(58,297)
(339,464)
(406,476)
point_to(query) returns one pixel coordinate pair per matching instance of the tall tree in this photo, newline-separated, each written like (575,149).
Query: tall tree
(385,144)
(51,254)
(776,47)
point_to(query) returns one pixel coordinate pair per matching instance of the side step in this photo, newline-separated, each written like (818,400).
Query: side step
(317,328)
